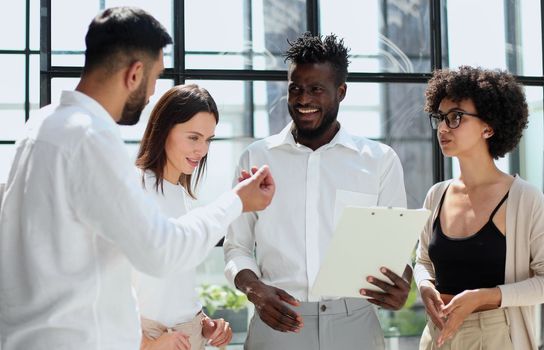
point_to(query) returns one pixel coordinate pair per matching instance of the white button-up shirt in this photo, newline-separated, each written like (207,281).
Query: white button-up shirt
(74,218)
(286,243)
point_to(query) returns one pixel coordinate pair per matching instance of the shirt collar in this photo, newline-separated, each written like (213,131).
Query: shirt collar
(80,99)
(285,137)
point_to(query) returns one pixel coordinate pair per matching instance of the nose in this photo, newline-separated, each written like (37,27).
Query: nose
(304,97)
(442,127)
(202,149)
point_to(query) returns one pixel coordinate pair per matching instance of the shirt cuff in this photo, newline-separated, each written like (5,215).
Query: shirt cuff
(234,266)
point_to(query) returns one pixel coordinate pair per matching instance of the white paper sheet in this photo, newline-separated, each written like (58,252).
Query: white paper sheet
(365,239)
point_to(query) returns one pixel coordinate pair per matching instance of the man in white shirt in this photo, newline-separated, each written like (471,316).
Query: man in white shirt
(273,256)
(74,216)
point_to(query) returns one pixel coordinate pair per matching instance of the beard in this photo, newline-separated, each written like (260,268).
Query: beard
(329,118)
(135,105)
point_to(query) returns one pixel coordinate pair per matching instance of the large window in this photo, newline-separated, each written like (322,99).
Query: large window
(234,49)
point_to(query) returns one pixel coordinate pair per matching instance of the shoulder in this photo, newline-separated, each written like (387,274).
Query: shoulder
(435,192)
(372,148)
(525,192)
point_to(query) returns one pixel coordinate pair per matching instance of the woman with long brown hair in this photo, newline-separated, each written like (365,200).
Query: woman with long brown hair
(172,158)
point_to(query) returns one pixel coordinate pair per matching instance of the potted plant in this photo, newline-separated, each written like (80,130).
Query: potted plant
(222,301)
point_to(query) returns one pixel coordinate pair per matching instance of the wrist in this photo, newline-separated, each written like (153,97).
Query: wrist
(246,280)
(489,296)
(425,283)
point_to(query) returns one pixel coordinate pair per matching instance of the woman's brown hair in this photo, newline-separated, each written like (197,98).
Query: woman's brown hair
(177,105)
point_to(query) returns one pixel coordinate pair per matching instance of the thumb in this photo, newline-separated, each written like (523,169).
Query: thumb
(260,174)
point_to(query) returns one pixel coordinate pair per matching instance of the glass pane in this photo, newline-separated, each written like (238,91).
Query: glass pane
(532,144)
(511,33)
(530,47)
(69,23)
(12,96)
(34,81)
(68,31)
(7,152)
(13,22)
(34,24)
(384,36)
(255,38)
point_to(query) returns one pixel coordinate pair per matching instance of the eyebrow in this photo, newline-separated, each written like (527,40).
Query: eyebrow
(199,134)
(453,109)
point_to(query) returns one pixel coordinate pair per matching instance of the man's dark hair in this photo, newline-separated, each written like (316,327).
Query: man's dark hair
(315,49)
(499,100)
(120,35)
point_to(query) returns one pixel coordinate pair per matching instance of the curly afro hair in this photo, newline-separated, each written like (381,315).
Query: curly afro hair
(315,49)
(498,97)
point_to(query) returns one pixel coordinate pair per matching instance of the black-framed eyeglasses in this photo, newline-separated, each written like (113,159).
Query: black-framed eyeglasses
(452,118)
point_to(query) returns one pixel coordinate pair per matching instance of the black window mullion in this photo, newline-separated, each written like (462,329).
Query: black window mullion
(45,52)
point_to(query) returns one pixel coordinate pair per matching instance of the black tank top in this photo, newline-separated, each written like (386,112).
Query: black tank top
(477,261)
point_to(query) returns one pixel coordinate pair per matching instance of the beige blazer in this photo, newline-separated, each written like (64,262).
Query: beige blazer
(524,272)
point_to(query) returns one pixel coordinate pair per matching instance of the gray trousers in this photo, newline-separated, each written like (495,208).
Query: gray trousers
(344,324)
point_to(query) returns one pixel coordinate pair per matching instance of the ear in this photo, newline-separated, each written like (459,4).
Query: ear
(341,91)
(487,132)
(134,76)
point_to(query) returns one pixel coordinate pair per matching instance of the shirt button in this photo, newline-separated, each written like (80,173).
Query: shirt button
(323,308)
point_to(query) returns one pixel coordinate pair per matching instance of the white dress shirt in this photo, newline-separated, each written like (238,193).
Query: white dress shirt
(73,220)
(171,299)
(286,243)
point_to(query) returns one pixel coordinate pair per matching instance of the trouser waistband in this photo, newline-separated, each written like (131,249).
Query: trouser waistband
(332,307)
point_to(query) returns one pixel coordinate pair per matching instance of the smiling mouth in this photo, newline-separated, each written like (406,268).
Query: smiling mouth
(307,110)
(193,162)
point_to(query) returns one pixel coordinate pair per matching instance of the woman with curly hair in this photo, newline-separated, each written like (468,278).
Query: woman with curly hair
(480,259)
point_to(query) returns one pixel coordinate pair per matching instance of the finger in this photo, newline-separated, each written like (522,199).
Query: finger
(386,287)
(408,273)
(278,321)
(222,336)
(261,173)
(225,341)
(254,169)
(396,279)
(244,174)
(288,298)
(380,303)
(219,325)
(182,341)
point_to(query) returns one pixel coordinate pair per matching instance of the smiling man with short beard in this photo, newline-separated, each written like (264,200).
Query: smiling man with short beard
(274,256)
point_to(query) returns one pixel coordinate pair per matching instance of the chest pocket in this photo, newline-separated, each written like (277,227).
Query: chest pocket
(350,198)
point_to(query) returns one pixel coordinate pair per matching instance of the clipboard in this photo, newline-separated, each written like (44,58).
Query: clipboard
(365,239)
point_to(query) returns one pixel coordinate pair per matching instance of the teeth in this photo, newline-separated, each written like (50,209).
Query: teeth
(307,110)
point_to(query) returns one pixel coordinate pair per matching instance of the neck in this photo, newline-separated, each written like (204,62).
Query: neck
(316,142)
(476,171)
(105,91)
(171,175)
